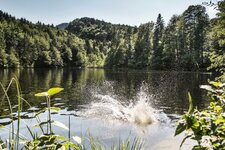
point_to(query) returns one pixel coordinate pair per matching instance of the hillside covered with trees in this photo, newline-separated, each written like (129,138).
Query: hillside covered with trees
(190,41)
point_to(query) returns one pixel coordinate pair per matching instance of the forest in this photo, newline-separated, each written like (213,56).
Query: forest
(189,41)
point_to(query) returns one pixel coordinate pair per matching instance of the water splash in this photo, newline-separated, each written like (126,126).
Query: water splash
(109,106)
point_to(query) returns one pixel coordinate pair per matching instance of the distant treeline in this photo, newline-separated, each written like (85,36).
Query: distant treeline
(189,41)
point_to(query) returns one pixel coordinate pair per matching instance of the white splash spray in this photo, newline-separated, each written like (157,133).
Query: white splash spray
(108,107)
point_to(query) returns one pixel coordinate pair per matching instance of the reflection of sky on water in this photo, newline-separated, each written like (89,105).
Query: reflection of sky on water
(169,90)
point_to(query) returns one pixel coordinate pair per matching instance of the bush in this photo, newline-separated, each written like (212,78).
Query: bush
(207,126)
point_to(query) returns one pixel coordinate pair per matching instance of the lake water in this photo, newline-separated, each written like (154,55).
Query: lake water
(112,104)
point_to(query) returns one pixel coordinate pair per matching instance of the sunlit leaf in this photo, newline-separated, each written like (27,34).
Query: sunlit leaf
(207,87)
(77,139)
(15,106)
(60,137)
(216,84)
(217,108)
(40,124)
(1,126)
(23,142)
(222,85)
(41,94)
(61,125)
(55,108)
(220,120)
(54,91)
(195,123)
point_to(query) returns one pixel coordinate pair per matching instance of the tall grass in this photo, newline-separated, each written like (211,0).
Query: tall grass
(14,140)
(47,139)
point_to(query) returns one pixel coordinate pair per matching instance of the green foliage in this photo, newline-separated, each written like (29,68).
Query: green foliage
(3,58)
(13,61)
(158,43)
(216,41)
(143,45)
(24,44)
(207,127)
(88,42)
(180,45)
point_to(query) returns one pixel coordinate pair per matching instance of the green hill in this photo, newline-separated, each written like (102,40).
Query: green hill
(90,42)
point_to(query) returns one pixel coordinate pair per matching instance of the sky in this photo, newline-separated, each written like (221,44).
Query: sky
(130,12)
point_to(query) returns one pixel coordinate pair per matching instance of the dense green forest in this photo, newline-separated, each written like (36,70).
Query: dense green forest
(190,41)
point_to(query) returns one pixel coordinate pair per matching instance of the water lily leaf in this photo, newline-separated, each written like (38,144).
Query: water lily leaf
(55,108)
(54,91)
(1,126)
(41,94)
(61,125)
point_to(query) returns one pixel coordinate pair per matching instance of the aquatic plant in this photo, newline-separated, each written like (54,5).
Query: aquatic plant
(14,137)
(47,139)
(48,95)
(207,126)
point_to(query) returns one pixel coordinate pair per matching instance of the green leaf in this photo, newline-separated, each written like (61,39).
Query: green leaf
(197,147)
(217,108)
(1,126)
(58,146)
(50,92)
(40,124)
(61,125)
(54,91)
(195,123)
(180,128)
(32,135)
(39,112)
(220,120)
(216,84)
(41,94)
(77,139)
(59,137)
(207,87)
(55,108)
(191,108)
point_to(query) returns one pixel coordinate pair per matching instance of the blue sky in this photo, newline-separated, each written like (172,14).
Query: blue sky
(131,12)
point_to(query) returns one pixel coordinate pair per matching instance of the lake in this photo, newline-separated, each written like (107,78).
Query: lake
(112,104)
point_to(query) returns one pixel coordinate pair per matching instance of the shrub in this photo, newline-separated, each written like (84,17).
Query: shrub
(207,126)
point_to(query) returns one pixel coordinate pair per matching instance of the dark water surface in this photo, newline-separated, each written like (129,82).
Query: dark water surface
(105,102)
